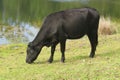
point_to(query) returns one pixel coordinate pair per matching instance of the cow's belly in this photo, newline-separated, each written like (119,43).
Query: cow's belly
(75,28)
(75,36)
(75,32)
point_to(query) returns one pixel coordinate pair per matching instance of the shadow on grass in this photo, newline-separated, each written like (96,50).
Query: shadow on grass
(68,60)
(76,58)
(109,53)
(46,62)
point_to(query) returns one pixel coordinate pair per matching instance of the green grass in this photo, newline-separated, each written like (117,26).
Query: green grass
(78,66)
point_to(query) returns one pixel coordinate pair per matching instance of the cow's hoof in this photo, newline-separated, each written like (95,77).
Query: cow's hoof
(91,56)
(50,61)
(62,60)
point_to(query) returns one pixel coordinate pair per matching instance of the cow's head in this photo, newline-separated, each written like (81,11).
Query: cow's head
(32,53)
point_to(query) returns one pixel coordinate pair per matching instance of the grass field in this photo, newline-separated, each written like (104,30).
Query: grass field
(78,66)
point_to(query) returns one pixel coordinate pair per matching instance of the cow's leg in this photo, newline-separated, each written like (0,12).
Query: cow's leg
(53,46)
(93,37)
(62,48)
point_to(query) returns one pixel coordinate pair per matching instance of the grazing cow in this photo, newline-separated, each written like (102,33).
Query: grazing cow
(63,25)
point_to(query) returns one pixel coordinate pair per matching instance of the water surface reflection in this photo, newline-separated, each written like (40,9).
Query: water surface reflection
(15,34)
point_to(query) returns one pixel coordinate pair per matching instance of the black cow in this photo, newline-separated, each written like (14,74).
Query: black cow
(63,25)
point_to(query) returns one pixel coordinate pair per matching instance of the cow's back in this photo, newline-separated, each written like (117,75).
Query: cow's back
(77,22)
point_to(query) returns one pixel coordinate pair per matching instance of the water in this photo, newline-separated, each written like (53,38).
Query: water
(20,20)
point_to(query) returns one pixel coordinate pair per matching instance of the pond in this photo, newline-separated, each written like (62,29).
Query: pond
(20,20)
